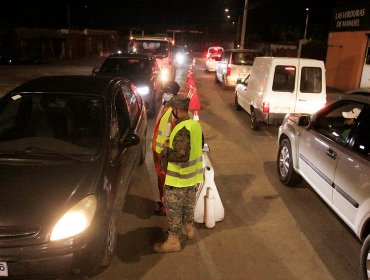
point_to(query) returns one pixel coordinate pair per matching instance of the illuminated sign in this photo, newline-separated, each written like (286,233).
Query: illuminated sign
(351,18)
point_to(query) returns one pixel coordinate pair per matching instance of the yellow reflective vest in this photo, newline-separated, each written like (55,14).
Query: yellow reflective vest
(187,174)
(164,130)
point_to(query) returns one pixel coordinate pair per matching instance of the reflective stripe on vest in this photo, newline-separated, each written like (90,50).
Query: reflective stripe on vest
(164,130)
(188,173)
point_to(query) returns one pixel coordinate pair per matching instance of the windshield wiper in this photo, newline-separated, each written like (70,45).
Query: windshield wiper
(32,149)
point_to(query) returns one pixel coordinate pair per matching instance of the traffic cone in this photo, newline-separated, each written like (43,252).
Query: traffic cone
(194,100)
(190,80)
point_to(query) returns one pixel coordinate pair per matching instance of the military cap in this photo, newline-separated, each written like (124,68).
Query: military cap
(180,101)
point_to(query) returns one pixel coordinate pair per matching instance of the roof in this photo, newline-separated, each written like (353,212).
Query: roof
(153,38)
(81,84)
(360,94)
(131,55)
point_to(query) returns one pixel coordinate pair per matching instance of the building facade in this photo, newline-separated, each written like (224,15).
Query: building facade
(348,54)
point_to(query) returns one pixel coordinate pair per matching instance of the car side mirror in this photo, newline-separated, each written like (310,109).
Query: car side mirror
(131,140)
(304,120)
(95,70)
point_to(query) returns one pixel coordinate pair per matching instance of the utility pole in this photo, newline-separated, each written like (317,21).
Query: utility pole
(244,24)
(304,40)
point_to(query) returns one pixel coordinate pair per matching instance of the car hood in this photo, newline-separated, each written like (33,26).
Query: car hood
(38,194)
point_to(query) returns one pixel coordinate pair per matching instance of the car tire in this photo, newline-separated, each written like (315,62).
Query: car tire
(255,125)
(236,104)
(364,262)
(216,80)
(143,152)
(110,240)
(224,86)
(284,162)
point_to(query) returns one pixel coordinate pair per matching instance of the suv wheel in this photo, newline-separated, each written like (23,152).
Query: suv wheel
(111,240)
(237,106)
(224,86)
(216,80)
(255,125)
(365,258)
(287,175)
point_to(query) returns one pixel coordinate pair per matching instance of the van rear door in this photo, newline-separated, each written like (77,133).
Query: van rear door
(311,91)
(281,93)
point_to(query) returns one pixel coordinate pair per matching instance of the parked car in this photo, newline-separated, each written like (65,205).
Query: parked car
(211,63)
(336,167)
(140,69)
(281,85)
(68,149)
(235,64)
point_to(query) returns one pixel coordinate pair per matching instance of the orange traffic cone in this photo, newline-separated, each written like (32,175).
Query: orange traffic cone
(194,100)
(190,80)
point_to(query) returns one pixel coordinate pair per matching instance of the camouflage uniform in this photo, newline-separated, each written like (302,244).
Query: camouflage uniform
(180,202)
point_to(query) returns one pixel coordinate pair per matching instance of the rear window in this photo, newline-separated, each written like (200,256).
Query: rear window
(123,66)
(215,51)
(284,78)
(243,58)
(311,80)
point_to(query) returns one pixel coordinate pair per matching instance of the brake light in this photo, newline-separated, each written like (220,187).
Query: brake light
(289,68)
(228,70)
(266,107)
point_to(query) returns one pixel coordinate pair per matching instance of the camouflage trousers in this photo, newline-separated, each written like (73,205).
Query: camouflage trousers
(180,203)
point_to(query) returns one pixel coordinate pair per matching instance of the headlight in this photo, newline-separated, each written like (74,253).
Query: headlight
(143,90)
(165,75)
(76,219)
(180,58)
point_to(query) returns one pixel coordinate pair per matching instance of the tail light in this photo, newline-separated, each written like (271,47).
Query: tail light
(266,107)
(228,70)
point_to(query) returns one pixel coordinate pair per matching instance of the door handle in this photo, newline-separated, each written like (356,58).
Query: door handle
(331,153)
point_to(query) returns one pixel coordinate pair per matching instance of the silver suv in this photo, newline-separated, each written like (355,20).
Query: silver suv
(331,151)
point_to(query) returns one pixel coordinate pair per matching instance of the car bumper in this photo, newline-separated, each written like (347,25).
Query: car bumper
(270,118)
(52,260)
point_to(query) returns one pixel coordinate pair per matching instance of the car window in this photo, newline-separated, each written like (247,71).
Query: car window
(311,80)
(225,57)
(151,47)
(334,125)
(132,105)
(243,58)
(284,78)
(125,65)
(46,120)
(362,141)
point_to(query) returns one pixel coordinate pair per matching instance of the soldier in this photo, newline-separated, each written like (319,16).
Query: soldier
(183,153)
(162,129)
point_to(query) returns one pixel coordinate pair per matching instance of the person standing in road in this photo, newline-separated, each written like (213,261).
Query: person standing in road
(183,153)
(162,129)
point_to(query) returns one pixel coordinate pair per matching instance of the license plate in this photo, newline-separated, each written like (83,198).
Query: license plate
(3,269)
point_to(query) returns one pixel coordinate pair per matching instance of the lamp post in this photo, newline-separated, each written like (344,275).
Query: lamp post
(244,24)
(305,30)
(304,40)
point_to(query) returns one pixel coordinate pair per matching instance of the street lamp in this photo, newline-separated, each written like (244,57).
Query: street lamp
(305,30)
(244,24)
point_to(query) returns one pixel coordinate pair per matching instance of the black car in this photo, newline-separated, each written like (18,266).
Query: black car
(141,69)
(68,148)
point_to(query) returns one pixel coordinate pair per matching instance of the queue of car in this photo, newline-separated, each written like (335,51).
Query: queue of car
(316,142)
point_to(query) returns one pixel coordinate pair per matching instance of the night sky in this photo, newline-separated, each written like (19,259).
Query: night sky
(191,14)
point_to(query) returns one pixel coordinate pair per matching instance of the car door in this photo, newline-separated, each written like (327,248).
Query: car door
(243,99)
(311,90)
(352,176)
(321,147)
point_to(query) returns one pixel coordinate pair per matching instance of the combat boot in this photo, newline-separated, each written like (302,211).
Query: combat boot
(172,244)
(189,231)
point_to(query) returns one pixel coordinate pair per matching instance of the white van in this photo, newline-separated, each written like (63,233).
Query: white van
(281,85)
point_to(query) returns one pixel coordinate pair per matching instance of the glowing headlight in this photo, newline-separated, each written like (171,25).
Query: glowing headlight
(180,58)
(143,90)
(165,75)
(76,220)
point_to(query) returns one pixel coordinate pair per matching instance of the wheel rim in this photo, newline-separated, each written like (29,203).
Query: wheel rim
(284,162)
(368,265)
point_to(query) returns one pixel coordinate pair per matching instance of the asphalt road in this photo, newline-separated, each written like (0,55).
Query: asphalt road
(269,232)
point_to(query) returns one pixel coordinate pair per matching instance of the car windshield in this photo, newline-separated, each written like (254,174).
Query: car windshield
(60,123)
(151,47)
(244,58)
(125,65)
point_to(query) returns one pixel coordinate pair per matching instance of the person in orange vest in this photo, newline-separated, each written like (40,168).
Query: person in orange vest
(164,124)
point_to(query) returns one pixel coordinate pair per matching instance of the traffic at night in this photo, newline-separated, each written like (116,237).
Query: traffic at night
(185,140)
